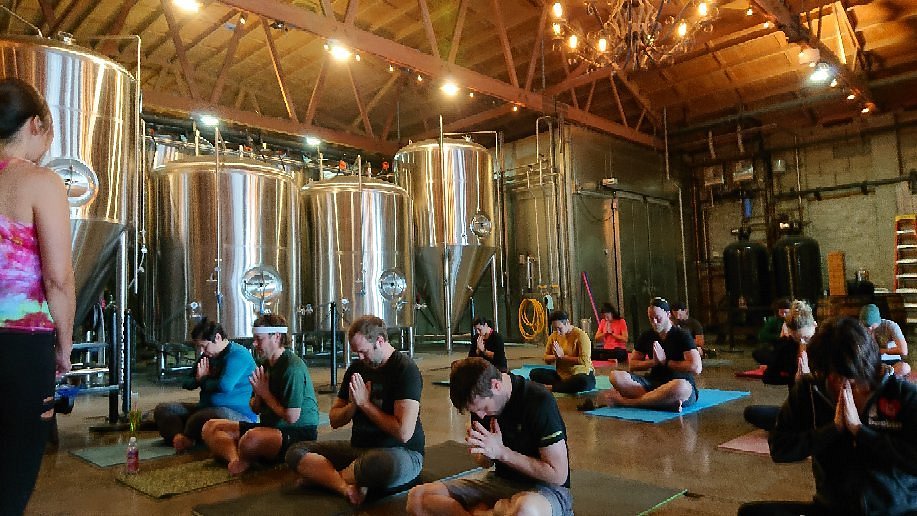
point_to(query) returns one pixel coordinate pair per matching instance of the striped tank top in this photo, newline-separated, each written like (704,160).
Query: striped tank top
(23,306)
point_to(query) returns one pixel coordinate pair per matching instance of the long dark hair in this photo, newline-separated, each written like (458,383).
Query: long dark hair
(21,102)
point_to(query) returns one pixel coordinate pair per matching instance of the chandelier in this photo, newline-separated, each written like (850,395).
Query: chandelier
(635,34)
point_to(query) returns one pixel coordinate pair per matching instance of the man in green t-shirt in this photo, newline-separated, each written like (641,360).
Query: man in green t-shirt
(282,396)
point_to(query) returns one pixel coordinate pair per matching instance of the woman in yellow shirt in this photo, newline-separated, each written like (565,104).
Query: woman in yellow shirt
(570,350)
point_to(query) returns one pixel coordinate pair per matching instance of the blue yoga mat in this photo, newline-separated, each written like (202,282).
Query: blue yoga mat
(708,398)
(525,369)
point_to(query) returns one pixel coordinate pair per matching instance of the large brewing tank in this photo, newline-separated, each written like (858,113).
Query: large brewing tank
(797,268)
(95,117)
(748,281)
(257,256)
(357,251)
(452,188)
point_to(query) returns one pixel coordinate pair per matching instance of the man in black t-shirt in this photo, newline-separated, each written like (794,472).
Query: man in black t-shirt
(670,355)
(380,393)
(487,343)
(515,423)
(684,321)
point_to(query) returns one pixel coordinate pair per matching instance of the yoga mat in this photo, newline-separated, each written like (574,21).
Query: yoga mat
(752,442)
(525,369)
(708,398)
(598,494)
(752,373)
(173,480)
(601,383)
(113,454)
(445,460)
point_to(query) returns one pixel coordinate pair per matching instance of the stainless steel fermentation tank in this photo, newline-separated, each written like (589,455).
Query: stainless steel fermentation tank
(452,187)
(95,149)
(255,253)
(357,251)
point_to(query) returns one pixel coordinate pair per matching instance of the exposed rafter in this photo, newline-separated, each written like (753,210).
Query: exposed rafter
(428,27)
(504,42)
(115,26)
(536,48)
(228,60)
(278,71)
(187,70)
(169,103)
(457,32)
(402,55)
(367,126)
(316,91)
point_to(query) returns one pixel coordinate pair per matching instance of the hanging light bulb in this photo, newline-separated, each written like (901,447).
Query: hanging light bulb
(573,42)
(419,78)
(767,24)
(602,45)
(749,11)
(471,94)
(515,108)
(702,8)
(557,29)
(391,68)
(865,110)
(833,83)
(557,10)
(852,96)
(682,29)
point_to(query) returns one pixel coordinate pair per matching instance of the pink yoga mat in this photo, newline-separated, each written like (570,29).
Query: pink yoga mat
(753,442)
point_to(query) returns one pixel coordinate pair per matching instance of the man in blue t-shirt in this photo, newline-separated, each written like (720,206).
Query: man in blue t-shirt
(516,427)
(380,394)
(670,355)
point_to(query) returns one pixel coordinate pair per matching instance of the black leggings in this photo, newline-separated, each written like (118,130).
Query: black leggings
(26,379)
(576,383)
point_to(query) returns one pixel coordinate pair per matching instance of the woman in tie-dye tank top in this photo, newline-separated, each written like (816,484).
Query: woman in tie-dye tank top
(36,289)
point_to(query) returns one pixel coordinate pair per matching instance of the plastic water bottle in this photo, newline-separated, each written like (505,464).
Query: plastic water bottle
(133,457)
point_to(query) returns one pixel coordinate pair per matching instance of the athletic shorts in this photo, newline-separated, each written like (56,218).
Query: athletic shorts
(488,490)
(651,384)
(289,435)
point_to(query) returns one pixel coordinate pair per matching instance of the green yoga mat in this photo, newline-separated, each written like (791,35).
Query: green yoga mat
(113,454)
(441,461)
(173,480)
(598,494)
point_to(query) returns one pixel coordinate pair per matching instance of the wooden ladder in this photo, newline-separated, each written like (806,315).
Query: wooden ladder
(906,264)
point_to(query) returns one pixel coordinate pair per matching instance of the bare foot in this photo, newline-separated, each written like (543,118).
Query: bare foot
(237,467)
(302,483)
(181,443)
(613,397)
(355,494)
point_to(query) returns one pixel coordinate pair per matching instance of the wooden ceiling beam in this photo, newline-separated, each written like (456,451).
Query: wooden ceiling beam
(790,25)
(351,15)
(402,55)
(367,127)
(641,99)
(316,91)
(328,9)
(393,78)
(457,32)
(428,27)
(48,18)
(614,89)
(68,22)
(504,43)
(537,48)
(278,72)
(187,70)
(228,60)
(114,26)
(589,99)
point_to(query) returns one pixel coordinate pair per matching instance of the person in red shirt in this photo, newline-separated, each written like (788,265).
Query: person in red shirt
(612,334)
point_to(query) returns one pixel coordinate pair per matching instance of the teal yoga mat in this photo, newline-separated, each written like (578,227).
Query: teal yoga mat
(708,398)
(601,382)
(114,454)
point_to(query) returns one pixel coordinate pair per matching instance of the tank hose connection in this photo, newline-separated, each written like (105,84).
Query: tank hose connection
(532,318)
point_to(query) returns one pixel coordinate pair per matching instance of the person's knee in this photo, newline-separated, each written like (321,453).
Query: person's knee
(377,469)
(295,455)
(683,390)
(618,377)
(209,429)
(529,504)
(416,497)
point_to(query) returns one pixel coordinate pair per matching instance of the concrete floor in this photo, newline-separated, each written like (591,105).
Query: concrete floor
(678,454)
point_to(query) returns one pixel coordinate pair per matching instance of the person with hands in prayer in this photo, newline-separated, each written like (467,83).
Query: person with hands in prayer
(487,343)
(380,394)
(858,423)
(516,427)
(570,350)
(282,396)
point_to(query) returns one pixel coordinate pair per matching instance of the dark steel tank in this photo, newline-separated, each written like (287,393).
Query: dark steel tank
(797,268)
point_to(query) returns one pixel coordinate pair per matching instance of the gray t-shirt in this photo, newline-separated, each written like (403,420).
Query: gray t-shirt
(887,333)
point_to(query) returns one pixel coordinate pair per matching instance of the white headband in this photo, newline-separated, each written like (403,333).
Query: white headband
(266,330)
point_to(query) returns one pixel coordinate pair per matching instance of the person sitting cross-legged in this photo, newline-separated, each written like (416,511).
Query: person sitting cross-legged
(570,350)
(516,427)
(670,355)
(283,396)
(380,394)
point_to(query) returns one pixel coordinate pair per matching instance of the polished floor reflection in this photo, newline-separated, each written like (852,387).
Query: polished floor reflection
(679,454)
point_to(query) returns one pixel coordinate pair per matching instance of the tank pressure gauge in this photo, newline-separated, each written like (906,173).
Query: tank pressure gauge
(392,284)
(260,284)
(481,225)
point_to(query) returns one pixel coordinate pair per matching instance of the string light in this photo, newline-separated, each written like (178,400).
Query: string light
(702,8)
(573,41)
(602,45)
(557,10)
(682,29)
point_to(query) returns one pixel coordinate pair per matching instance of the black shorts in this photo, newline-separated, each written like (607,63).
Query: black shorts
(289,435)
(650,384)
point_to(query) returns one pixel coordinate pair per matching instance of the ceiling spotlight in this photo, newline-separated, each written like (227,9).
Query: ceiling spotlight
(515,108)
(471,94)
(682,29)
(356,57)
(749,12)
(702,8)
(208,120)
(833,83)
(821,74)
(449,88)
(766,24)
(852,96)
(865,110)
(340,52)
(557,10)
(277,24)
(602,44)
(419,78)
(242,19)
(189,6)
(557,29)
(391,68)
(573,41)
(313,141)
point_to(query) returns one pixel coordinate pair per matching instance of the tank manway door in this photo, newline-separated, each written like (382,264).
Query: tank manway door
(81,182)
(261,285)
(392,285)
